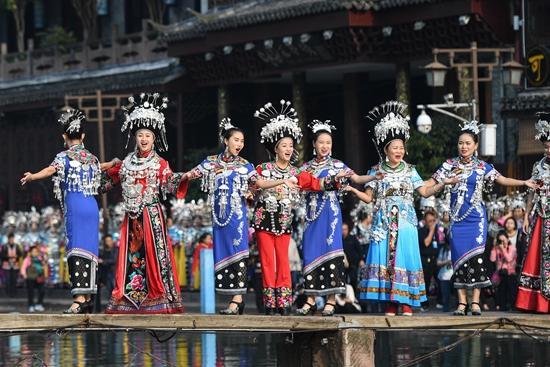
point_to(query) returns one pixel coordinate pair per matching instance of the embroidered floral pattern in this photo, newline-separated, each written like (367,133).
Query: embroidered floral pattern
(269,298)
(284,297)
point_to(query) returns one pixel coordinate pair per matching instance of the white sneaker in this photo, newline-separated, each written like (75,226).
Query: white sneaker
(439,306)
(31,308)
(39,308)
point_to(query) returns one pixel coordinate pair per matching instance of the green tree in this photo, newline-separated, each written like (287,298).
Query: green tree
(18,9)
(428,151)
(57,36)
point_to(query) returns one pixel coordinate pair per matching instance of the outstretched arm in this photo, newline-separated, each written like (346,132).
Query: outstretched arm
(108,165)
(365,196)
(45,173)
(431,187)
(507,181)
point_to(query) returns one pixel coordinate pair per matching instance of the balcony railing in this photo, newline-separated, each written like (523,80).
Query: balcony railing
(145,46)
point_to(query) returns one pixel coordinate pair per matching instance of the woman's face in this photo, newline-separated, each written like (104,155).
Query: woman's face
(546,145)
(323,145)
(395,151)
(466,145)
(284,149)
(208,239)
(145,140)
(235,143)
(503,240)
(510,225)
(518,213)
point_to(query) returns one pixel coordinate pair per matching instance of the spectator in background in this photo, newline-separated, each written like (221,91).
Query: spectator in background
(295,262)
(108,256)
(445,273)
(504,255)
(205,242)
(428,242)
(516,238)
(34,271)
(10,255)
(354,254)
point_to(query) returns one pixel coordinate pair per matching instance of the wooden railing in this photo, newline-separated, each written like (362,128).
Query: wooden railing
(145,46)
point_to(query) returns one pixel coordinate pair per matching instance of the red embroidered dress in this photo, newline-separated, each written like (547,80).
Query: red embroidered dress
(146,280)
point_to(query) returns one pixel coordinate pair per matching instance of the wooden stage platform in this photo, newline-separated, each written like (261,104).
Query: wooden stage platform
(342,340)
(259,323)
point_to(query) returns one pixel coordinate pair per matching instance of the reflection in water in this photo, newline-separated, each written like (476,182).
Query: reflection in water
(116,348)
(490,349)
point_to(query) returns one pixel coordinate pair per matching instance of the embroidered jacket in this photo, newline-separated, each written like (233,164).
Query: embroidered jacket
(273,209)
(143,180)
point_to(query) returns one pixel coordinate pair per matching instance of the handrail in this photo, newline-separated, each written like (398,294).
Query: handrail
(144,46)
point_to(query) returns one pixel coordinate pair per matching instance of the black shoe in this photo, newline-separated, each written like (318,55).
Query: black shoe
(461,311)
(81,309)
(269,311)
(284,311)
(233,311)
(306,311)
(475,312)
(90,308)
(326,312)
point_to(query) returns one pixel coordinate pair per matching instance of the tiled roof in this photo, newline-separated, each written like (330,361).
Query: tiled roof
(264,11)
(120,78)
(529,100)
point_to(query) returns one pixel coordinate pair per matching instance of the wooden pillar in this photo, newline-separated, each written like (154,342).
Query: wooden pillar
(403,84)
(346,348)
(223,102)
(12,162)
(299,102)
(179,133)
(355,141)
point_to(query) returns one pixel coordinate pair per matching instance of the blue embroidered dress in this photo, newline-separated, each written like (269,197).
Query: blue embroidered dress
(468,229)
(394,268)
(227,180)
(322,242)
(76,181)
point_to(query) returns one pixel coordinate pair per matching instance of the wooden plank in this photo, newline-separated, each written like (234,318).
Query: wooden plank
(14,322)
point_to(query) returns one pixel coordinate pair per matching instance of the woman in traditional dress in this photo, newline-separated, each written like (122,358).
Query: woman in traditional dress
(468,233)
(146,279)
(228,178)
(273,212)
(534,281)
(77,175)
(393,271)
(322,242)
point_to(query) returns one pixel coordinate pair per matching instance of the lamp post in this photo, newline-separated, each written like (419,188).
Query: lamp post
(435,71)
(95,105)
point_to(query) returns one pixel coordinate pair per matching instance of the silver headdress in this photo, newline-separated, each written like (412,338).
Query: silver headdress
(542,126)
(470,127)
(280,124)
(71,120)
(361,211)
(516,200)
(317,125)
(391,123)
(428,203)
(147,114)
(225,124)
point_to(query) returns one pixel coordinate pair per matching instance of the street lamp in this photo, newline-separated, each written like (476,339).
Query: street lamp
(512,72)
(488,131)
(435,71)
(435,74)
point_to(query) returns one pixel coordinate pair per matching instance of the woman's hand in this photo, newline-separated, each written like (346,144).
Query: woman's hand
(453,180)
(525,226)
(291,183)
(27,177)
(531,184)
(345,173)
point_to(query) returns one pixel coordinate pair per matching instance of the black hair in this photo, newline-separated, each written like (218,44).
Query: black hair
(475,137)
(544,138)
(11,235)
(229,132)
(430,212)
(319,133)
(502,232)
(74,135)
(515,222)
(107,236)
(203,236)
